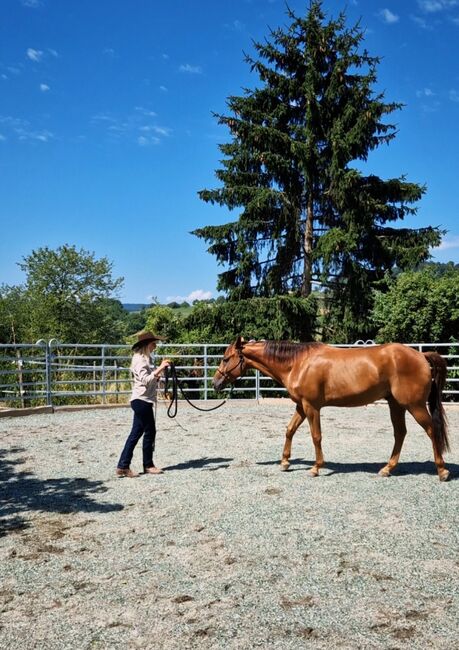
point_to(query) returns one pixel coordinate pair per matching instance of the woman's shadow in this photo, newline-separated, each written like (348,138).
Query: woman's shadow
(204,463)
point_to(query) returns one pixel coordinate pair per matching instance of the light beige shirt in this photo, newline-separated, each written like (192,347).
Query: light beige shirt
(144,381)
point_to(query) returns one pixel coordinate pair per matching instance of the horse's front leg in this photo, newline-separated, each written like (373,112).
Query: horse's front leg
(293,425)
(313,416)
(397,415)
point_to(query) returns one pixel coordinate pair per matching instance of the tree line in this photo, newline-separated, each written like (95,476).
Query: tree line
(70,295)
(318,249)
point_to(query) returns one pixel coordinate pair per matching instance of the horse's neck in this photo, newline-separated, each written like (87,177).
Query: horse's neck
(255,357)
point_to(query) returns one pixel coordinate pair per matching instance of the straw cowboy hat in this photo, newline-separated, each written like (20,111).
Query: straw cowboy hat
(143,338)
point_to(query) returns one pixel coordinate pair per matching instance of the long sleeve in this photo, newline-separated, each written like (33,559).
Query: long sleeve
(144,381)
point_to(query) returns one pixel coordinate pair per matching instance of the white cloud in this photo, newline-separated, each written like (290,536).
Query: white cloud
(44,88)
(23,130)
(34,55)
(139,126)
(40,136)
(33,4)
(421,22)
(197,294)
(144,141)
(454,95)
(425,92)
(449,242)
(191,69)
(163,89)
(14,69)
(434,6)
(145,111)
(388,17)
(162,130)
(237,26)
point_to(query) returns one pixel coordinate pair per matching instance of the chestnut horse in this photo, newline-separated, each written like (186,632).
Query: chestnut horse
(317,375)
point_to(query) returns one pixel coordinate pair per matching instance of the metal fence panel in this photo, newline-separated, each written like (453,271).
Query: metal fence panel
(52,373)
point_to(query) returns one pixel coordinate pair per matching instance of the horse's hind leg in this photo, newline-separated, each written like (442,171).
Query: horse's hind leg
(423,417)
(397,415)
(313,416)
(293,425)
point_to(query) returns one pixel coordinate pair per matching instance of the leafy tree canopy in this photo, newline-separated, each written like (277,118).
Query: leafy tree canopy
(420,306)
(70,296)
(282,317)
(306,212)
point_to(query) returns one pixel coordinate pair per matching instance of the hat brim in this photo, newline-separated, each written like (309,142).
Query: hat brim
(144,342)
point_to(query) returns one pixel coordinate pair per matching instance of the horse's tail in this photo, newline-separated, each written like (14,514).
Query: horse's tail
(439,370)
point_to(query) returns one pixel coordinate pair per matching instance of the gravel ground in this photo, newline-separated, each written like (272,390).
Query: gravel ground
(223,550)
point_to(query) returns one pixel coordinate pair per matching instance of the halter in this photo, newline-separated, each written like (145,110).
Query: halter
(226,373)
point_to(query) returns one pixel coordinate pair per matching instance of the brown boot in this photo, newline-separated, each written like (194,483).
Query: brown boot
(153,470)
(125,472)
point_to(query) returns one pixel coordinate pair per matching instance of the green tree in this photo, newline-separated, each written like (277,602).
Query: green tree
(164,321)
(282,317)
(70,295)
(420,306)
(14,314)
(307,213)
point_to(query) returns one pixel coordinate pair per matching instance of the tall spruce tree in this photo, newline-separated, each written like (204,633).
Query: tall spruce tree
(307,214)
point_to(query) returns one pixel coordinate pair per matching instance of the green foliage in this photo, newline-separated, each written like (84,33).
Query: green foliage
(14,314)
(305,212)
(164,321)
(135,321)
(420,306)
(282,317)
(68,296)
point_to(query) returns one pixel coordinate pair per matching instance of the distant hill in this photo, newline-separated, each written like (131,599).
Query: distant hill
(133,306)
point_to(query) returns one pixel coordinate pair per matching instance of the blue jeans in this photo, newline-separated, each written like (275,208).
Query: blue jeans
(144,424)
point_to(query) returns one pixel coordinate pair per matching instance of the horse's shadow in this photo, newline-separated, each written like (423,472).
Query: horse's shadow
(205,463)
(402,469)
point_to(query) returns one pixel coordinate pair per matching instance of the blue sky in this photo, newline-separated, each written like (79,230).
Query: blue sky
(107,133)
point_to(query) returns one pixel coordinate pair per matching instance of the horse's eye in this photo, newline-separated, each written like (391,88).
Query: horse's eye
(226,359)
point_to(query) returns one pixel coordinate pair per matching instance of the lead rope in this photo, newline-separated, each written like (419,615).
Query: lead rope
(171,373)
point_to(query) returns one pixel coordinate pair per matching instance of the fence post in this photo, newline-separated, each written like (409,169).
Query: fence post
(205,371)
(49,398)
(257,385)
(115,366)
(103,376)
(49,349)
(20,364)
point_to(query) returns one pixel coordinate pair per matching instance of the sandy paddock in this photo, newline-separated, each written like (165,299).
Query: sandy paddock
(223,550)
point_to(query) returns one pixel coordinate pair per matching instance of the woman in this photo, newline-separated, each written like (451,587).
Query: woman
(145,378)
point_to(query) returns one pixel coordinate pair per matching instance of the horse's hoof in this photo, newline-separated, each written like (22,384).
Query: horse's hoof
(313,473)
(284,467)
(385,473)
(444,475)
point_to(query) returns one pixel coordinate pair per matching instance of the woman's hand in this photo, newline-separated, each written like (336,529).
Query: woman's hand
(165,363)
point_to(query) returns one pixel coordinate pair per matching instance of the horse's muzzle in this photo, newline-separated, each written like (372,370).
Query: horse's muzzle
(218,382)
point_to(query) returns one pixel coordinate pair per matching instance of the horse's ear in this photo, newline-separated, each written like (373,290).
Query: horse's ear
(239,343)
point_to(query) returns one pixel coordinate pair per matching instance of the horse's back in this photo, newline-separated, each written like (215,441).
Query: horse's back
(358,376)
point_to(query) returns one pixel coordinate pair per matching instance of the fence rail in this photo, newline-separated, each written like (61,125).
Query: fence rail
(51,373)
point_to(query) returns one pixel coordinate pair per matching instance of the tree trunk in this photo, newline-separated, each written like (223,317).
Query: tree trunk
(306,287)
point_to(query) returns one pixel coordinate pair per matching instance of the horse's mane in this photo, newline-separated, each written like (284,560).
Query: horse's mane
(286,350)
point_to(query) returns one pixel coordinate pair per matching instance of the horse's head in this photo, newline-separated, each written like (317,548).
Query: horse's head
(231,366)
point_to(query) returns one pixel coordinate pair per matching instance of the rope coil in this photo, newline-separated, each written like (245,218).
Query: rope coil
(170,374)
